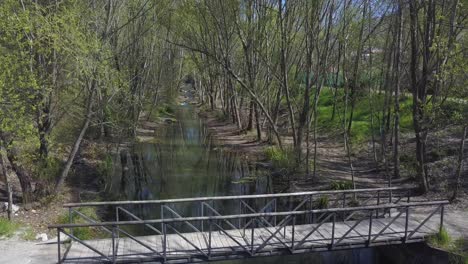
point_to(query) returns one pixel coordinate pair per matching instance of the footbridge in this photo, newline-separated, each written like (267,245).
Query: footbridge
(192,230)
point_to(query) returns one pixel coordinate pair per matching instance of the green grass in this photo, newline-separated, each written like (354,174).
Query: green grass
(361,129)
(280,158)
(84,233)
(341,185)
(7,228)
(29,234)
(441,239)
(322,202)
(456,247)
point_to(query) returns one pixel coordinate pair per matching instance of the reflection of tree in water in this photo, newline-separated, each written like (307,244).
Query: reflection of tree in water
(184,163)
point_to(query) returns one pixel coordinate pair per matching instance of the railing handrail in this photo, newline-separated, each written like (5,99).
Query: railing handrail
(235,197)
(228,217)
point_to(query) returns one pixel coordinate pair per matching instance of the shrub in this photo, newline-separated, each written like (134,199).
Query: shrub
(84,233)
(281,159)
(341,185)
(322,202)
(441,239)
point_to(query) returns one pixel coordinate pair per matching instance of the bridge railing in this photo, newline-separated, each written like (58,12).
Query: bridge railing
(261,237)
(242,204)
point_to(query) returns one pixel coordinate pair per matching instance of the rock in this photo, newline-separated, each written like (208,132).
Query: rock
(14,207)
(33,211)
(42,237)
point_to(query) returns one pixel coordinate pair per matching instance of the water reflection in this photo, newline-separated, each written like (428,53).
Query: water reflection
(182,162)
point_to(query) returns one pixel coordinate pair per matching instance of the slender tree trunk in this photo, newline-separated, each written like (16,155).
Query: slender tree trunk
(7,182)
(396,143)
(418,98)
(79,139)
(459,165)
(257,123)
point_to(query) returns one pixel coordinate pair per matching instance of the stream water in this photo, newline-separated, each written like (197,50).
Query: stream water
(182,161)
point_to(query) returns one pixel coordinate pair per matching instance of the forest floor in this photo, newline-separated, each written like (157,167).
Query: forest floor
(333,165)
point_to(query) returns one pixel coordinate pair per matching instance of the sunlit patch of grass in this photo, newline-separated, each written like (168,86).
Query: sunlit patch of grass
(280,158)
(7,228)
(361,128)
(441,240)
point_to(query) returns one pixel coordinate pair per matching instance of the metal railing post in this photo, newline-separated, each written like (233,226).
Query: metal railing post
(275,209)
(252,237)
(370,228)
(441,218)
(209,238)
(202,214)
(378,203)
(406,224)
(333,231)
(292,234)
(114,249)
(117,219)
(164,241)
(58,247)
(310,208)
(162,215)
(344,205)
(70,218)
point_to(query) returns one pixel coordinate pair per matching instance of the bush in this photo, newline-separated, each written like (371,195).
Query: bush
(7,228)
(441,239)
(281,159)
(84,233)
(341,185)
(322,202)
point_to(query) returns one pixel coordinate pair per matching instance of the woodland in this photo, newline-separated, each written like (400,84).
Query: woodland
(375,75)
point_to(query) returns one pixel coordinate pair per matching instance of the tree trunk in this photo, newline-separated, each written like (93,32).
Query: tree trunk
(418,99)
(7,183)
(459,165)
(396,143)
(79,139)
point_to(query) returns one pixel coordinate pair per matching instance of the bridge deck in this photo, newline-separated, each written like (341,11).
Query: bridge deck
(235,244)
(192,230)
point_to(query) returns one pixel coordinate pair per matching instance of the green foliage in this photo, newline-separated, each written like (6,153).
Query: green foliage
(442,239)
(322,202)
(106,166)
(361,129)
(457,248)
(281,159)
(84,233)
(48,169)
(341,185)
(28,234)
(7,228)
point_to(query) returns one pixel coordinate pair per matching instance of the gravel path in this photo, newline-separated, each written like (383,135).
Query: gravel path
(24,252)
